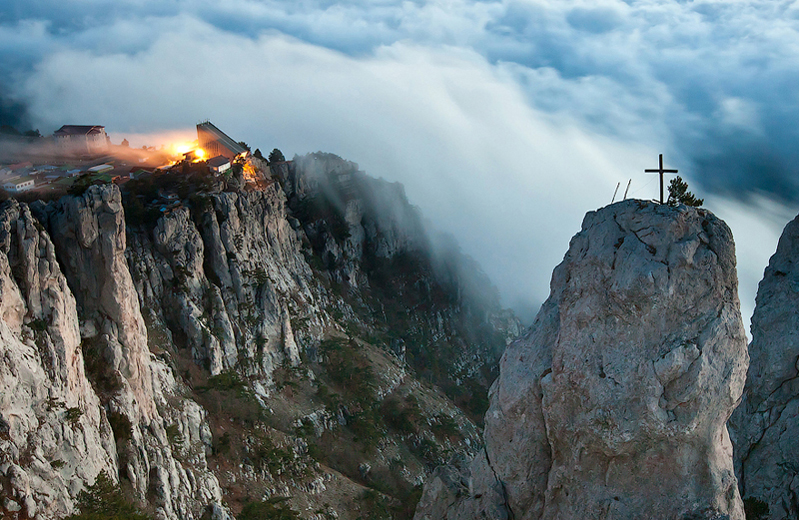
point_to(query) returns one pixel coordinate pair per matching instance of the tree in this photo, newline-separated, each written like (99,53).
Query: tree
(679,194)
(276,156)
(103,500)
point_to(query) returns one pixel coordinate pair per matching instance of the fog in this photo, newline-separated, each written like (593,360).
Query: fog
(506,121)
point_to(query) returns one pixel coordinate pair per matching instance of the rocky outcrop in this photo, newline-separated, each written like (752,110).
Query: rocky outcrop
(766,425)
(614,403)
(54,435)
(230,277)
(112,332)
(89,237)
(62,299)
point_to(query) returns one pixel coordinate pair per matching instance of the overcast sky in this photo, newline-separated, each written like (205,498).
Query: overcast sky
(505,120)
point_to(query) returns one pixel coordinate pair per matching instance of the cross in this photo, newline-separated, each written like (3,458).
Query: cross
(661,171)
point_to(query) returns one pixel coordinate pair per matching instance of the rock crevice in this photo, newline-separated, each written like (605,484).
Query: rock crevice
(764,427)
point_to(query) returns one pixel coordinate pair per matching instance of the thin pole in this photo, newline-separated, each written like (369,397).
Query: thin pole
(628,189)
(615,192)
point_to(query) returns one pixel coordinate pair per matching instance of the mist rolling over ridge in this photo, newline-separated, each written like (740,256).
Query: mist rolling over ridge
(505,121)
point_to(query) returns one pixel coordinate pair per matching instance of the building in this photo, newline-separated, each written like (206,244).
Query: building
(18,184)
(100,168)
(81,139)
(219,164)
(215,142)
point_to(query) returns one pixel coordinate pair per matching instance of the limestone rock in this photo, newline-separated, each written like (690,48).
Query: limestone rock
(89,240)
(614,403)
(89,236)
(766,425)
(54,435)
(231,278)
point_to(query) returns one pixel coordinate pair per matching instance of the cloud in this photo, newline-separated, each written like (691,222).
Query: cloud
(510,182)
(506,119)
(756,226)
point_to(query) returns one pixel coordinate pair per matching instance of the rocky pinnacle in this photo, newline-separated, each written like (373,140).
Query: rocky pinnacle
(614,404)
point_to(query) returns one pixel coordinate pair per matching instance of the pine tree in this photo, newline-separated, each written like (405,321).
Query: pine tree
(276,156)
(679,194)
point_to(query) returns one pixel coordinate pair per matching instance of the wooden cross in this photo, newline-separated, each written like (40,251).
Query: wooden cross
(661,171)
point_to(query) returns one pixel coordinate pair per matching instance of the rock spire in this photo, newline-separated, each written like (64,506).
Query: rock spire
(614,404)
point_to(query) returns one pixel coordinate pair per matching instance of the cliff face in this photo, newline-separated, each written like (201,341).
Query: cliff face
(764,427)
(614,403)
(141,396)
(236,347)
(58,435)
(230,278)
(371,242)
(54,435)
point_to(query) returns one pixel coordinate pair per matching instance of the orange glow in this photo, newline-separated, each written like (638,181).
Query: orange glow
(249,171)
(200,153)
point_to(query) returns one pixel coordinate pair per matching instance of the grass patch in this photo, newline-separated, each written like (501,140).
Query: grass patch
(270,509)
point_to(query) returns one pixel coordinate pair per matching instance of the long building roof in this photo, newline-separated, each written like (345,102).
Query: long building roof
(219,136)
(79,130)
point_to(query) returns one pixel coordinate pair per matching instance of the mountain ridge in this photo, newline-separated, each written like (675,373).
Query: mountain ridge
(230,295)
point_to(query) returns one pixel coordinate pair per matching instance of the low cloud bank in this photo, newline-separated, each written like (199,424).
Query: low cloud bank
(506,121)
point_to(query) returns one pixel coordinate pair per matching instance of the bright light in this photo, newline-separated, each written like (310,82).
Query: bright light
(200,153)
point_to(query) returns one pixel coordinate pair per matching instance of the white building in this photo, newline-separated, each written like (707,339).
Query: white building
(81,139)
(219,164)
(18,184)
(101,168)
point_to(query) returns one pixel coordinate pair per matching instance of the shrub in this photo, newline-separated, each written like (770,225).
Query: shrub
(402,416)
(173,435)
(755,509)
(276,156)
(38,325)
(376,505)
(270,509)
(276,460)
(103,500)
(445,426)
(679,194)
(73,415)
(104,380)
(121,426)
(349,369)
(227,381)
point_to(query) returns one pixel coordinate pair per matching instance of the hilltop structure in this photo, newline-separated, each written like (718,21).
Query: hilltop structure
(216,142)
(81,139)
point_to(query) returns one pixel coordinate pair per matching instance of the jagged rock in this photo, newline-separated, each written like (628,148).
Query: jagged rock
(766,425)
(614,403)
(89,236)
(90,243)
(54,436)
(228,276)
(233,285)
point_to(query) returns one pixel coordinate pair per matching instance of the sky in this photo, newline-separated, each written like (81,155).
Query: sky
(505,120)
